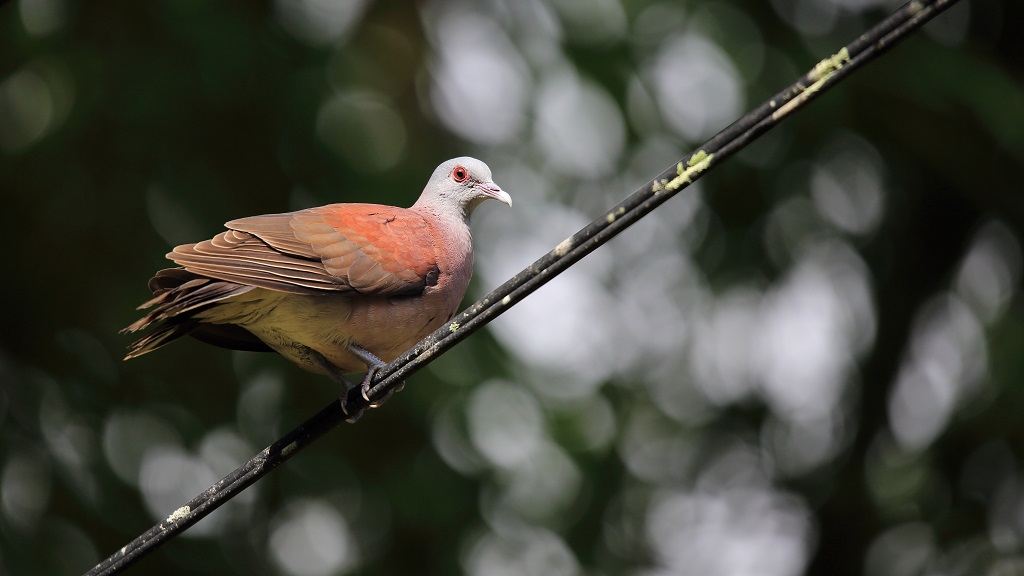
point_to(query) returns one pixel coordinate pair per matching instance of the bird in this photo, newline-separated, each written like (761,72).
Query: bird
(337,289)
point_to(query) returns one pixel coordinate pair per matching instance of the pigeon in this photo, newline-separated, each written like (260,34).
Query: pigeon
(337,290)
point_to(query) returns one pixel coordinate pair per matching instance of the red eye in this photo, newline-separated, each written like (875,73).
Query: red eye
(460,174)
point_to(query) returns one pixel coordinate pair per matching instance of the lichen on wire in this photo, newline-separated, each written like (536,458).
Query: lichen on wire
(726,143)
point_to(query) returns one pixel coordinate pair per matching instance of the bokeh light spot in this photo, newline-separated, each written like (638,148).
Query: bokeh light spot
(310,538)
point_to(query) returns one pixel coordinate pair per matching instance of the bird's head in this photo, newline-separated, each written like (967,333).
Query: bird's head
(459,185)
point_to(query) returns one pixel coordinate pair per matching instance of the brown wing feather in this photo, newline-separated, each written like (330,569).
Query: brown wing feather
(385,248)
(366,248)
(244,259)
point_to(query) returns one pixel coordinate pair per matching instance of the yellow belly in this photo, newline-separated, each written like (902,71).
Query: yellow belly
(292,324)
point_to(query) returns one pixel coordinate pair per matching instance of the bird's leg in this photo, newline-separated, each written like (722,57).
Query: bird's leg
(373,364)
(334,374)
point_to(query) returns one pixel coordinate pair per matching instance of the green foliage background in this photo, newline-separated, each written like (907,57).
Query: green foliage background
(127,127)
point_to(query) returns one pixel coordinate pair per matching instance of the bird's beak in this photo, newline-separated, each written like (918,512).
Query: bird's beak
(492,190)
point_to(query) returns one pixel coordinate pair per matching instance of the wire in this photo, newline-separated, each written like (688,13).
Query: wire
(726,143)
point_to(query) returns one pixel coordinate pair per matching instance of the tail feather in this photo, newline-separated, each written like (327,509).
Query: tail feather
(179,295)
(158,337)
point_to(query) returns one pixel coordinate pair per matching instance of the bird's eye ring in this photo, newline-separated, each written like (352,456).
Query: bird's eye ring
(460,174)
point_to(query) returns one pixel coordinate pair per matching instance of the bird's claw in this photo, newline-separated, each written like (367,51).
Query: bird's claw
(365,388)
(350,416)
(374,364)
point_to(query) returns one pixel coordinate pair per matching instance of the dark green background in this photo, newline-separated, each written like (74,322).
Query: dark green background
(204,112)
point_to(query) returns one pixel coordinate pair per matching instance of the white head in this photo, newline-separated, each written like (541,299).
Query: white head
(459,185)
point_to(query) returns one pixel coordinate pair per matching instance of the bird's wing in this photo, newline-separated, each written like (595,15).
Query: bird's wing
(364,248)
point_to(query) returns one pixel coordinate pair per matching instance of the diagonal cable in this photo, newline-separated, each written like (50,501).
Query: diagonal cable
(726,143)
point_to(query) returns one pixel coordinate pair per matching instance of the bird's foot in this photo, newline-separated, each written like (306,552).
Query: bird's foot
(373,364)
(351,415)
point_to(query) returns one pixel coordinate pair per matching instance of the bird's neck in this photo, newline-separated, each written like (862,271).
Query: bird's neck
(454,251)
(443,214)
(451,224)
